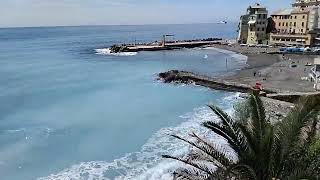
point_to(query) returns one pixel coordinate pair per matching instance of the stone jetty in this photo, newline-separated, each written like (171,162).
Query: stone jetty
(176,76)
(213,83)
(164,45)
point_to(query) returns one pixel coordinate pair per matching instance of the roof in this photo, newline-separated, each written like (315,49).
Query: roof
(299,10)
(283,12)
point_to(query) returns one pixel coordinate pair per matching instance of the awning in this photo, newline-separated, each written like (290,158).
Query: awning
(252,22)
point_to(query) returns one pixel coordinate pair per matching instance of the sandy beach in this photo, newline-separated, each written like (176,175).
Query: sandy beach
(276,72)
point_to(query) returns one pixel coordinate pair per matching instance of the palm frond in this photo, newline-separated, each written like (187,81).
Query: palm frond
(194,164)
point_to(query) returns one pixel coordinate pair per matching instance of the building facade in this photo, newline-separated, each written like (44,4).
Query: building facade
(305,3)
(253,25)
(298,26)
(291,27)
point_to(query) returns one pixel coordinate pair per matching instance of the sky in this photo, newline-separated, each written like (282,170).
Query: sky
(29,13)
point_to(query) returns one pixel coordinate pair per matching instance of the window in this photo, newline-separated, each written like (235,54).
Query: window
(301,30)
(283,24)
(262,29)
(302,24)
(258,29)
(294,24)
(287,24)
(295,17)
(290,23)
(259,16)
(279,23)
(303,17)
(290,17)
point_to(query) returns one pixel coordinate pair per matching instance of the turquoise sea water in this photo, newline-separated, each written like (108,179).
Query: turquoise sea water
(70,110)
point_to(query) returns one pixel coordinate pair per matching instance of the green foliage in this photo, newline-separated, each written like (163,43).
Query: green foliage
(313,156)
(286,150)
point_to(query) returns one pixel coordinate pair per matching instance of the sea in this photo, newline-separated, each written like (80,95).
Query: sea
(70,109)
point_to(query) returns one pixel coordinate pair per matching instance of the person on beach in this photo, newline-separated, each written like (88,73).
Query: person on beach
(254,74)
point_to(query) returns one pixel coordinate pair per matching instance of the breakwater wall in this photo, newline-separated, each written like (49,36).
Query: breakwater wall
(189,78)
(219,84)
(164,45)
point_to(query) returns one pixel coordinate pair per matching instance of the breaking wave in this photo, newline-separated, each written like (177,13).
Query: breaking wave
(107,51)
(147,164)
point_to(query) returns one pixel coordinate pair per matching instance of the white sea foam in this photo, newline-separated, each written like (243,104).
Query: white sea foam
(107,51)
(147,164)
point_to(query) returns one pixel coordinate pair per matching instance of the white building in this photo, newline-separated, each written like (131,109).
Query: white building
(315,73)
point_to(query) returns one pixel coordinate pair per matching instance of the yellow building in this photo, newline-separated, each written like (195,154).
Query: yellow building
(299,25)
(253,25)
(290,27)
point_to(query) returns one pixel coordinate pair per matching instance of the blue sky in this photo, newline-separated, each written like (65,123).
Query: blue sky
(15,13)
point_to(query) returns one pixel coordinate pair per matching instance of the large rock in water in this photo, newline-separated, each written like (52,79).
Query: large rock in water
(118,49)
(169,76)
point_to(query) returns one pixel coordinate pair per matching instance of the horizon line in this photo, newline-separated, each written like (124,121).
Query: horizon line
(87,25)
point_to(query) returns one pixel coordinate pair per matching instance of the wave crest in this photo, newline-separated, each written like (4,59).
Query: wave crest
(107,51)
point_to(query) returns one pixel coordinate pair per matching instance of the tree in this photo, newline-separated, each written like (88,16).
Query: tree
(264,151)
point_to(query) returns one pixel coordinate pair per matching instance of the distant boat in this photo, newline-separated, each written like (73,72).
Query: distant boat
(222,22)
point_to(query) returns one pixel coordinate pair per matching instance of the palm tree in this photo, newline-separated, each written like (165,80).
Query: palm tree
(264,150)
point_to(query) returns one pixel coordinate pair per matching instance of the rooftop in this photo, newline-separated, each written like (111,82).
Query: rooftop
(291,11)
(257,6)
(283,12)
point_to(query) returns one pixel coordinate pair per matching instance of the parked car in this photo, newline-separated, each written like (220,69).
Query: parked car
(263,45)
(316,50)
(252,45)
(307,49)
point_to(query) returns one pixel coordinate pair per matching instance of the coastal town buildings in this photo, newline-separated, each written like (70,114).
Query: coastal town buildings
(298,25)
(253,25)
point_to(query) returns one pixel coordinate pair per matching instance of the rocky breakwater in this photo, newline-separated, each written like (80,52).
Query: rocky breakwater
(192,78)
(119,48)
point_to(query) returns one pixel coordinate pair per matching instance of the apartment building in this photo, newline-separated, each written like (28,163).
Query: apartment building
(291,27)
(253,25)
(298,25)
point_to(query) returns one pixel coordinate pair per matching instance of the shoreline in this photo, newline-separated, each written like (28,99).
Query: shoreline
(274,71)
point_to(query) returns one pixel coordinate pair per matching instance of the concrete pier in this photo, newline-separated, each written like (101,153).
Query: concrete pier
(169,45)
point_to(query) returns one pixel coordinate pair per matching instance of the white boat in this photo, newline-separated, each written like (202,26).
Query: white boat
(222,22)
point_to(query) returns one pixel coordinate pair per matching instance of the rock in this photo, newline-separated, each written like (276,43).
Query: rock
(118,49)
